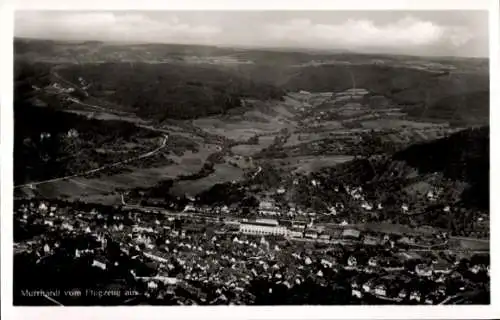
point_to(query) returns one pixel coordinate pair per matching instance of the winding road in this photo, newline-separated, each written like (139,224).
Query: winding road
(108,110)
(104,167)
(257,172)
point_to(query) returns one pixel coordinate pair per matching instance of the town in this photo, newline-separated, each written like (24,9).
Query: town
(188,258)
(155,172)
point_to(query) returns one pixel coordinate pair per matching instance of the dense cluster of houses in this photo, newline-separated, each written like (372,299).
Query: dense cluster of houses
(57,88)
(219,266)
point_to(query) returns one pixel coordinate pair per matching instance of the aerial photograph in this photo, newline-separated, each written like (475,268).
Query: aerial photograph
(179,158)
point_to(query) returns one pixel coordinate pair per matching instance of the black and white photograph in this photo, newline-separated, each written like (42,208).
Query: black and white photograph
(252,158)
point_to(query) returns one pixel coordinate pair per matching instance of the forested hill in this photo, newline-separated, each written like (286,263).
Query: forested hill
(160,81)
(464,156)
(175,91)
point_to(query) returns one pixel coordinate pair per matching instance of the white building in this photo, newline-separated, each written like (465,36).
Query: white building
(268,208)
(326,263)
(311,235)
(332,211)
(99,264)
(271,222)
(415,295)
(372,262)
(356,293)
(72,133)
(423,270)
(367,206)
(156,258)
(152,285)
(402,294)
(295,233)
(140,229)
(351,233)
(431,196)
(189,208)
(42,207)
(352,262)
(475,269)
(263,227)
(44,135)
(380,290)
(367,287)
(325,237)
(405,208)
(67,226)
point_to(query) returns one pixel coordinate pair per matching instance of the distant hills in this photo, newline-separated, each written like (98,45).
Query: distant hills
(107,51)
(158,80)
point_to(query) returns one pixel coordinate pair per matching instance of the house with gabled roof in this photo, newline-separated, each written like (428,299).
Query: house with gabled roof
(380,290)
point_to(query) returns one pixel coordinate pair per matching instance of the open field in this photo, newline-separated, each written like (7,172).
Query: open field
(249,150)
(260,118)
(264,120)
(239,131)
(188,163)
(308,164)
(108,116)
(84,188)
(299,137)
(470,243)
(398,123)
(241,128)
(223,173)
(194,157)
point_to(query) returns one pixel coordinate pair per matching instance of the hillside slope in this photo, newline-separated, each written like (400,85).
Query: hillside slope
(181,81)
(63,143)
(463,156)
(456,168)
(174,91)
(443,95)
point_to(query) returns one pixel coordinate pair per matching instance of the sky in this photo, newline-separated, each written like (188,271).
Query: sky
(434,33)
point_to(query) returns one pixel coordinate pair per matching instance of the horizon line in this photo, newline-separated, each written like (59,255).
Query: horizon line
(284,49)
